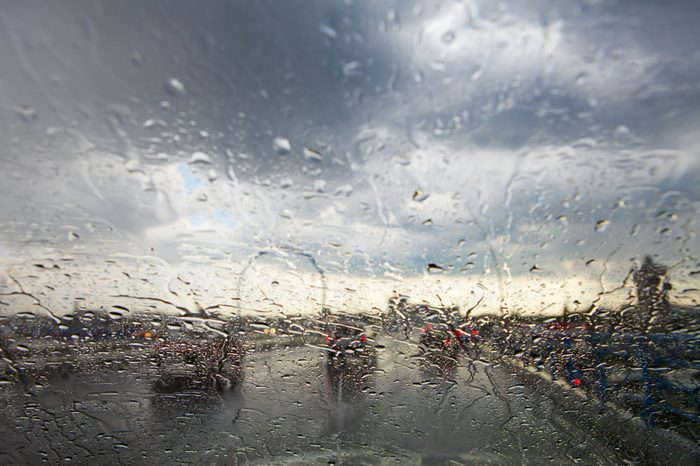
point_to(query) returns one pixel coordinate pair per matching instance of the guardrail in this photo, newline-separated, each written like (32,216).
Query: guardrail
(654,376)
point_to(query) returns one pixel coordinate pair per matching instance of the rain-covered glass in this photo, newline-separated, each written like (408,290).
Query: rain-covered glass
(349,232)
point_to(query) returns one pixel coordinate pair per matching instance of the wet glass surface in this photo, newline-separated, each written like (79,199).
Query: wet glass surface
(344,232)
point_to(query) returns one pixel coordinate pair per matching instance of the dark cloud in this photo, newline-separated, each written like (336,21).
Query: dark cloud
(525,125)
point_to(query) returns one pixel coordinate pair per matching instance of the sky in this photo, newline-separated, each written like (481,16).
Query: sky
(285,156)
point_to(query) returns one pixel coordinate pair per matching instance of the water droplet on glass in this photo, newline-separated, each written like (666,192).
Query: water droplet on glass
(313,154)
(174,87)
(282,146)
(328,31)
(434,268)
(448,37)
(351,68)
(200,157)
(26,113)
(344,190)
(320,186)
(420,196)
(437,66)
(133,166)
(601,225)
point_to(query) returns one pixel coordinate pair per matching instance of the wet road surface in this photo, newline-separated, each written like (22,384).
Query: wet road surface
(287,411)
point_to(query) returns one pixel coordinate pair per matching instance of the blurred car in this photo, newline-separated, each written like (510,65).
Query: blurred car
(198,363)
(440,347)
(350,360)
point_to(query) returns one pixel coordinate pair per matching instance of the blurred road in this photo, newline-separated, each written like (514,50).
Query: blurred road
(285,413)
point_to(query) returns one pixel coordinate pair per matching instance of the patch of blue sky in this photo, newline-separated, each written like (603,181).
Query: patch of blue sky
(191,180)
(224,217)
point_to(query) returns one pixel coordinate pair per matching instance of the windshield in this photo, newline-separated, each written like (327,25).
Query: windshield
(348,232)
